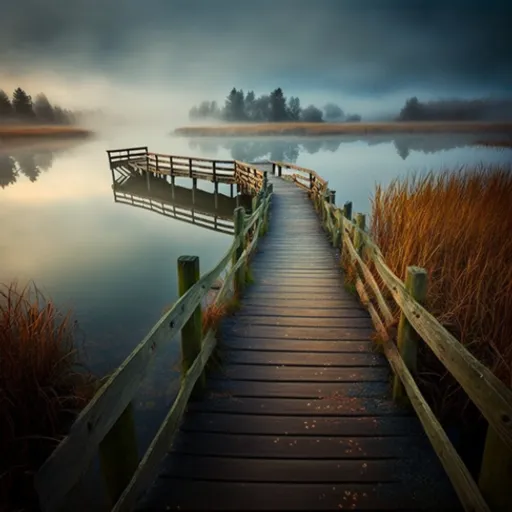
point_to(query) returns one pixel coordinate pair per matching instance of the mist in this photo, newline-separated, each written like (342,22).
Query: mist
(150,62)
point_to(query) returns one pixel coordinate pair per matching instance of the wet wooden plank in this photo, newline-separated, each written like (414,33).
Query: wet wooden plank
(268,344)
(362,319)
(179,494)
(338,406)
(301,333)
(299,302)
(294,447)
(282,470)
(299,389)
(314,295)
(313,359)
(362,426)
(348,310)
(300,374)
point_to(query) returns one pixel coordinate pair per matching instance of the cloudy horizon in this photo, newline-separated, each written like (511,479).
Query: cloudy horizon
(368,55)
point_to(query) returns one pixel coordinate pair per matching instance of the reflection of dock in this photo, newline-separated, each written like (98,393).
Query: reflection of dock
(210,210)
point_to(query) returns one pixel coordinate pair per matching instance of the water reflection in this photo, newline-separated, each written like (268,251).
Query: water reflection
(208,210)
(288,149)
(26,162)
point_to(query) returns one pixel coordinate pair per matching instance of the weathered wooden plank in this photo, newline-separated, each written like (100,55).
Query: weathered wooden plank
(326,407)
(314,359)
(179,494)
(301,333)
(294,447)
(269,344)
(300,374)
(348,311)
(342,321)
(362,426)
(299,389)
(251,300)
(276,470)
(313,294)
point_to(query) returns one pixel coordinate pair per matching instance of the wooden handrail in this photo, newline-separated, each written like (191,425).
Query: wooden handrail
(64,468)
(492,397)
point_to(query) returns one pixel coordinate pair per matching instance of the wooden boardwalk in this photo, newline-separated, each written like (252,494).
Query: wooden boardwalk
(299,415)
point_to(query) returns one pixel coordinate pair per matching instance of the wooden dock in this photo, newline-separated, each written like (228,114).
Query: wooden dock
(313,402)
(299,415)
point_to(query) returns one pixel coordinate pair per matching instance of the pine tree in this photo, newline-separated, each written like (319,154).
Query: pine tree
(43,109)
(5,105)
(294,110)
(277,105)
(22,104)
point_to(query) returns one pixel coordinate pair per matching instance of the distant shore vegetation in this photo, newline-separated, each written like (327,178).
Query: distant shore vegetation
(273,108)
(21,108)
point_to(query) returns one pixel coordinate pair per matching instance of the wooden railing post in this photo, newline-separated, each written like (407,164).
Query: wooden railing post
(337,238)
(239,221)
(347,210)
(119,456)
(358,237)
(496,473)
(407,337)
(332,199)
(192,331)
(273,168)
(311,181)
(279,170)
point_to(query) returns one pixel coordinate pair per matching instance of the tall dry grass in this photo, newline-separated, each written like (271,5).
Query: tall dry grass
(458,226)
(364,128)
(41,390)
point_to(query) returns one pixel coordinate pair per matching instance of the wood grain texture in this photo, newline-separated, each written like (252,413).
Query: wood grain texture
(298,413)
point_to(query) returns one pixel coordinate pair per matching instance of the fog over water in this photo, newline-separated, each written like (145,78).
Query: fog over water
(144,64)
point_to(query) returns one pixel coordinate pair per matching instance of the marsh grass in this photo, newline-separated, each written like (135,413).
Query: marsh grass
(41,388)
(458,226)
(312,129)
(17,131)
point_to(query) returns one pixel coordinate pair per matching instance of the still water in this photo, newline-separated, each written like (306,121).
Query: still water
(115,265)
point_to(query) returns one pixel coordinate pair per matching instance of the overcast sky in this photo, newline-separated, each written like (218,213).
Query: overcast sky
(367,55)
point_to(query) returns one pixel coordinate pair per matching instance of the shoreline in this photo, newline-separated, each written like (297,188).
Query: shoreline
(13,132)
(323,129)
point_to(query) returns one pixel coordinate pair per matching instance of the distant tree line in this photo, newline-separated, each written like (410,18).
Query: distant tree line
(273,107)
(456,110)
(21,108)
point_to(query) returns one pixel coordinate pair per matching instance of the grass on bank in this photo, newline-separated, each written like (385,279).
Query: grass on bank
(458,226)
(311,129)
(36,131)
(41,389)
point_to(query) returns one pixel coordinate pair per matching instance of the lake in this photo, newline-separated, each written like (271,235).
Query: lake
(115,265)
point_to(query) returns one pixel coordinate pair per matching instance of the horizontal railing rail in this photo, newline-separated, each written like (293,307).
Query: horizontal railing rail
(227,171)
(106,423)
(306,179)
(490,395)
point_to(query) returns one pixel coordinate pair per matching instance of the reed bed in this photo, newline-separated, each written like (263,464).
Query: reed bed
(458,226)
(41,388)
(16,134)
(322,129)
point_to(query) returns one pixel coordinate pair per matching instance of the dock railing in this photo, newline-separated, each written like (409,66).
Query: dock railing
(416,325)
(216,171)
(106,425)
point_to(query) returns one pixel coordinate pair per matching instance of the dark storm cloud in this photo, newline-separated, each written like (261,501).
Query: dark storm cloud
(363,47)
